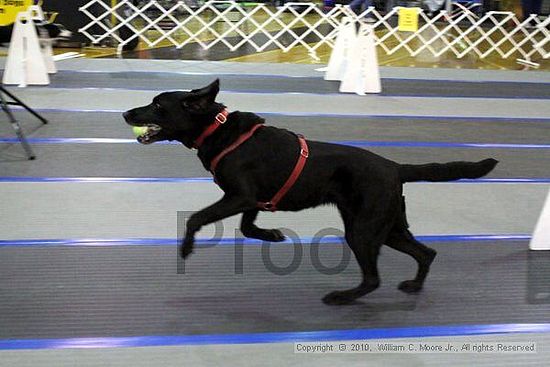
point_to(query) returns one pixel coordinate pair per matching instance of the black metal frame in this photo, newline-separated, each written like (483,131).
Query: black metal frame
(5,105)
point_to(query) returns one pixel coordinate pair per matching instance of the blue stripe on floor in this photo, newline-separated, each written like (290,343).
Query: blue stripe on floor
(428,144)
(334,115)
(110,179)
(355,143)
(106,242)
(280,337)
(201,73)
(317,75)
(11,179)
(383,94)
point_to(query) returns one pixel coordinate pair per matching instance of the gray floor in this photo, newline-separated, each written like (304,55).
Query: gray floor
(149,210)
(216,68)
(65,160)
(307,104)
(111,125)
(63,291)
(251,83)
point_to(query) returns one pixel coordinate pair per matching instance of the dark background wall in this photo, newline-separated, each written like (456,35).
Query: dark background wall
(69,16)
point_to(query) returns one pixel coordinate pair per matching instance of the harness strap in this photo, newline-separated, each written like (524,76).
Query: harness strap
(298,168)
(244,137)
(294,175)
(219,120)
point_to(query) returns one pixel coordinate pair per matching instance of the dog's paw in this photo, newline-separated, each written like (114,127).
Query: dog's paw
(274,235)
(186,248)
(339,298)
(269,235)
(185,251)
(410,286)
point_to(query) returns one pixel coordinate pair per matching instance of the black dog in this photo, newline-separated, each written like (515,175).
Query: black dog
(366,188)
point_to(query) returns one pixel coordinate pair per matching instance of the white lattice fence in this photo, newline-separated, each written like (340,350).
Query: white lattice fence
(305,25)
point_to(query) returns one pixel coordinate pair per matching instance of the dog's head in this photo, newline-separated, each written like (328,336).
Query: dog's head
(52,30)
(180,116)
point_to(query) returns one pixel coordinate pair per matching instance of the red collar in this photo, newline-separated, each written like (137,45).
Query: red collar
(219,120)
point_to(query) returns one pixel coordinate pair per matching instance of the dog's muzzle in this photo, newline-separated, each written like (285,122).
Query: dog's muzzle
(149,136)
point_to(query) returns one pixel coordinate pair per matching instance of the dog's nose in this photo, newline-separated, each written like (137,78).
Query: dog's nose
(126,116)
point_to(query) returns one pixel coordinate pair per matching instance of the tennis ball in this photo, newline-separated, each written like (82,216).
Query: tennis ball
(139,130)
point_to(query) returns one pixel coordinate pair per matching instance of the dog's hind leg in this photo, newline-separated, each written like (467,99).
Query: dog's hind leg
(365,235)
(249,229)
(402,240)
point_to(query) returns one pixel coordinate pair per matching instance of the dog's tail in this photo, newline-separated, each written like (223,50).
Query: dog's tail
(446,171)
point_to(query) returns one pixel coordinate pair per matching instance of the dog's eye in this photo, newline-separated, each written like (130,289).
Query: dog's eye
(157,106)
(185,104)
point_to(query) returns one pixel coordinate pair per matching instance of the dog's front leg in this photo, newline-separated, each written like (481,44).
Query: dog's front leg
(226,207)
(249,229)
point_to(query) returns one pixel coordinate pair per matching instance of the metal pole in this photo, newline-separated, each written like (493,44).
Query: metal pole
(16,127)
(18,102)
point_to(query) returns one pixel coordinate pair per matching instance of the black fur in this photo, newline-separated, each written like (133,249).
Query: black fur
(365,187)
(44,30)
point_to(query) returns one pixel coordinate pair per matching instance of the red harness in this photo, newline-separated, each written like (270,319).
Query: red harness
(271,205)
(219,120)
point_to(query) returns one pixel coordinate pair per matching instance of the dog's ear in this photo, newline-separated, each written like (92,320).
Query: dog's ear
(200,99)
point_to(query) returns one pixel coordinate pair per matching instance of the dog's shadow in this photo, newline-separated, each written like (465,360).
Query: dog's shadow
(265,309)
(12,157)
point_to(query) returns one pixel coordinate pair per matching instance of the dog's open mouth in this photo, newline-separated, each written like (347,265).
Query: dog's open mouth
(149,135)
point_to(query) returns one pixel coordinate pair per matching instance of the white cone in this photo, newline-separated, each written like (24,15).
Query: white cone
(362,73)
(47,54)
(541,235)
(37,13)
(25,64)
(339,57)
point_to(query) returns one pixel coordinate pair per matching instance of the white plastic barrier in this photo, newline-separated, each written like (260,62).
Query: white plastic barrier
(353,60)
(30,58)
(306,25)
(541,234)
(25,63)
(340,55)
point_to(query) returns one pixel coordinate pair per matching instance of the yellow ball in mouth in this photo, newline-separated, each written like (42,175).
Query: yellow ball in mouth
(139,130)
